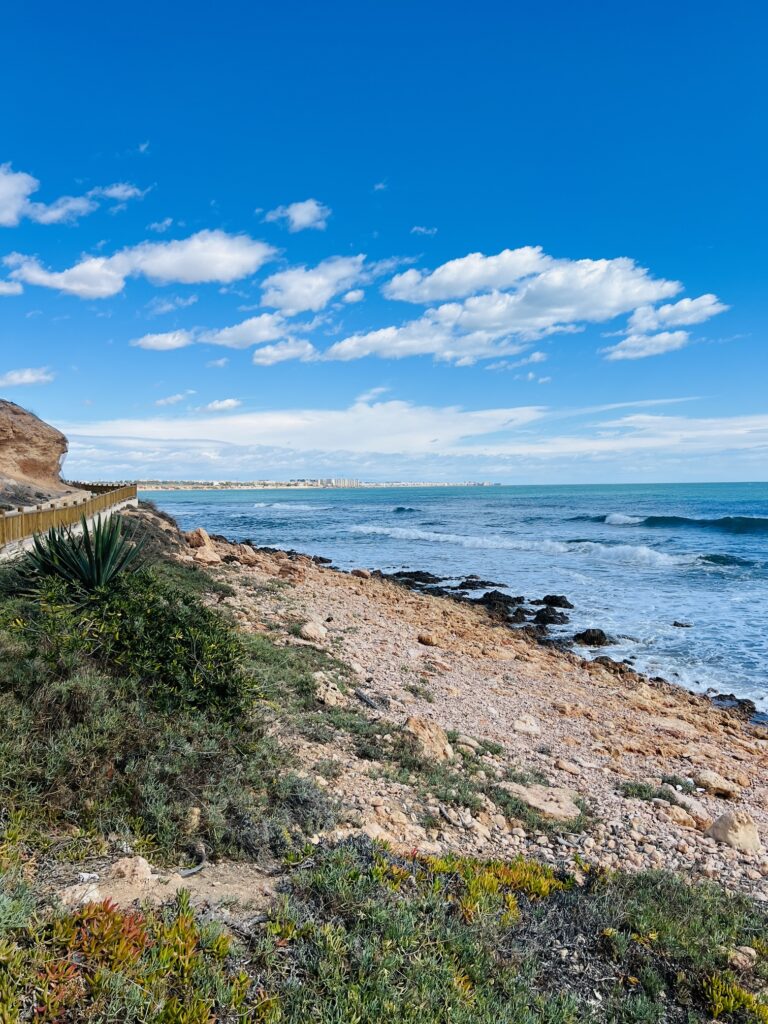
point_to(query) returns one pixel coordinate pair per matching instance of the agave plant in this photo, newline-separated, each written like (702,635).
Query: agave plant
(89,560)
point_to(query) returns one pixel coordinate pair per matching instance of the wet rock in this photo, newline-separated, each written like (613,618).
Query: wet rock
(547,616)
(518,616)
(592,638)
(554,601)
(475,583)
(415,577)
(682,625)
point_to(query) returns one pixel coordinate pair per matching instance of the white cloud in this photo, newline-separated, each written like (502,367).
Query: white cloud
(19,378)
(174,399)
(159,307)
(385,427)
(472,273)
(161,226)
(222,405)
(639,346)
(677,314)
(121,191)
(254,331)
(166,342)
(11,288)
(217,364)
(208,256)
(417,229)
(307,214)
(291,348)
(65,210)
(16,187)
(300,288)
(356,295)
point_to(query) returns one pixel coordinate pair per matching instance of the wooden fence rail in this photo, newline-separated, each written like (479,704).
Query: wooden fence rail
(18,525)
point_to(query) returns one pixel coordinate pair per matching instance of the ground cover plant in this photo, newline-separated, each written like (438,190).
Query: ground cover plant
(362,934)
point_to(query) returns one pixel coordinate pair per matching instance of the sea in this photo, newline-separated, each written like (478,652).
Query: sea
(633,559)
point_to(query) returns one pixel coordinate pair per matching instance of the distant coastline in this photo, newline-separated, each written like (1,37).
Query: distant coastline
(294,485)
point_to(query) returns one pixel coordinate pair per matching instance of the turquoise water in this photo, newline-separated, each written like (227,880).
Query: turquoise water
(632,558)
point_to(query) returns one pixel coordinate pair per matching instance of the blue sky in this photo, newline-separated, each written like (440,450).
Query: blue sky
(393,241)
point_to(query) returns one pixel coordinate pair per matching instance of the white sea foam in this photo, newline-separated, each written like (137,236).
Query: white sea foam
(635,553)
(289,506)
(618,519)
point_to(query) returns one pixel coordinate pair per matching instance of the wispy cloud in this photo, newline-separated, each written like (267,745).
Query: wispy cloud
(21,378)
(174,399)
(16,187)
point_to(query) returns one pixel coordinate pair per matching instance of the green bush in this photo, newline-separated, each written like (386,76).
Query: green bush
(147,629)
(90,560)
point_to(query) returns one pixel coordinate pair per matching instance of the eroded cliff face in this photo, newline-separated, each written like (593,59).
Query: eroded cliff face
(31,454)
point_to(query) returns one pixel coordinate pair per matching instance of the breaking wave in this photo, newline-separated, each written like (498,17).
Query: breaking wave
(728,524)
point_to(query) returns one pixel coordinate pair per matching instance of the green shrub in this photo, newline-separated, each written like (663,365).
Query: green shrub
(88,561)
(147,629)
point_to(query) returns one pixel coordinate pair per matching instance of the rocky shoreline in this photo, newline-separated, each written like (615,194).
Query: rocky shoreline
(533,749)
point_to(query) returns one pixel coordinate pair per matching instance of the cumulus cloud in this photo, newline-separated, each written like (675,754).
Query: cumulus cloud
(11,288)
(356,295)
(461,277)
(300,289)
(207,256)
(639,346)
(166,342)
(501,304)
(222,405)
(20,378)
(310,213)
(291,348)
(682,313)
(254,331)
(17,186)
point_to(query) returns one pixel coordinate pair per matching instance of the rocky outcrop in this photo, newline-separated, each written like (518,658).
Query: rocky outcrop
(430,739)
(736,829)
(31,454)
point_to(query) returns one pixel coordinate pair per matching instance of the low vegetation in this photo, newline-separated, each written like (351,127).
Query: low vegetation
(363,935)
(138,712)
(133,712)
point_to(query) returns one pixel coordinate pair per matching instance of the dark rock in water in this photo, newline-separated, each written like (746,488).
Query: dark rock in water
(475,583)
(730,702)
(537,632)
(518,616)
(682,625)
(554,601)
(494,597)
(435,591)
(592,638)
(415,577)
(320,560)
(547,616)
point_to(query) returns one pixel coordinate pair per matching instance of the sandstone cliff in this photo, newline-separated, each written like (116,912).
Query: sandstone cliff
(31,454)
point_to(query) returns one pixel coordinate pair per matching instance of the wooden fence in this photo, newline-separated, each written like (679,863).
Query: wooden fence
(23,523)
